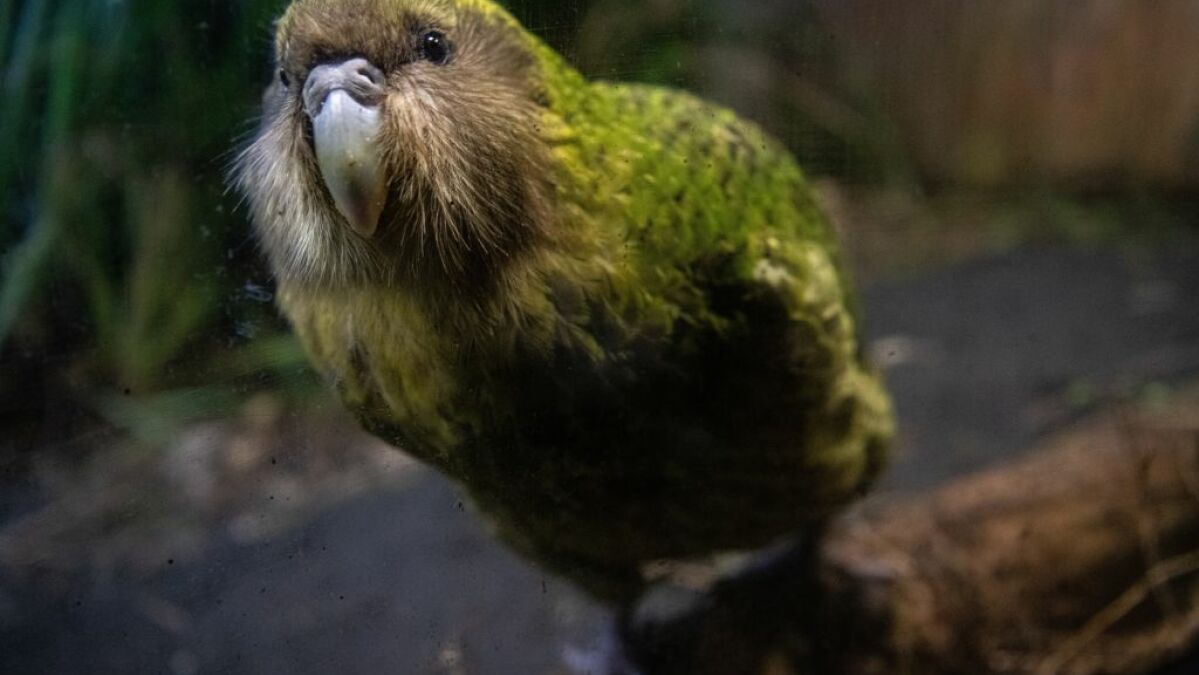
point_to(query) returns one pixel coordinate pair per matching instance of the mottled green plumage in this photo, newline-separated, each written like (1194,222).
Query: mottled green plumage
(668,369)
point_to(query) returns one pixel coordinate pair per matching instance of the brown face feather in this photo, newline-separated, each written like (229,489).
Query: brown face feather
(465,167)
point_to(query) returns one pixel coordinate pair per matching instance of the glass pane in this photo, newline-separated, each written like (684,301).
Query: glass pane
(542,336)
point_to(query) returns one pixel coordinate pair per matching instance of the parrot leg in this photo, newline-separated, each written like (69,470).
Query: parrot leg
(730,629)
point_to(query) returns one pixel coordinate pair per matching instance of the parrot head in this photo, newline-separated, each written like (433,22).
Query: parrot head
(400,143)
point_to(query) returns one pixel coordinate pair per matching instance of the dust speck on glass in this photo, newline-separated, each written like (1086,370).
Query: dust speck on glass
(597,336)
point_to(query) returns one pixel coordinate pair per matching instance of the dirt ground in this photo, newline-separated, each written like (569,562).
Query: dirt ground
(388,571)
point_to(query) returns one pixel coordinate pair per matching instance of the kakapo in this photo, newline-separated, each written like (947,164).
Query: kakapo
(612,312)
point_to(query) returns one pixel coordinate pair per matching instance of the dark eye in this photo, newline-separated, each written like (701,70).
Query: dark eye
(435,48)
(284,79)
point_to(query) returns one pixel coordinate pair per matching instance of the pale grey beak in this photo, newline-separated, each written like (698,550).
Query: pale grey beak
(342,100)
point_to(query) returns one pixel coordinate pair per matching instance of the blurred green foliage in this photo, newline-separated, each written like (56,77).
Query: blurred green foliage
(124,264)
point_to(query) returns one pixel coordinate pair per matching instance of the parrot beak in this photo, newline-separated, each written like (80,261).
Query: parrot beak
(342,100)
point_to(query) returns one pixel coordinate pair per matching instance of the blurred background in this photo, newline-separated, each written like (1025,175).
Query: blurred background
(1017,184)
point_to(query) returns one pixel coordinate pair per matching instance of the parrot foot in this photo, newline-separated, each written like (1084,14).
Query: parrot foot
(729,629)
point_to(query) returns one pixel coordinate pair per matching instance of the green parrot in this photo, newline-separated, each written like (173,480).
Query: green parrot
(612,312)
